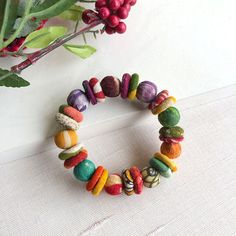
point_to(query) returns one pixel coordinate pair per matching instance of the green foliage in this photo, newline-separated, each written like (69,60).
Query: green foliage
(74,13)
(83,51)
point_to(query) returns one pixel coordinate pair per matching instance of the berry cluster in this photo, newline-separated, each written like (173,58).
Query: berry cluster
(111,12)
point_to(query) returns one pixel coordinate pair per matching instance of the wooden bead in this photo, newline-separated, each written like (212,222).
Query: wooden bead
(66,139)
(170,117)
(160,166)
(128,182)
(146,91)
(75,160)
(133,86)
(101,183)
(168,102)
(84,171)
(165,159)
(151,178)
(73,151)
(110,86)
(94,179)
(66,121)
(172,150)
(71,112)
(113,185)
(137,177)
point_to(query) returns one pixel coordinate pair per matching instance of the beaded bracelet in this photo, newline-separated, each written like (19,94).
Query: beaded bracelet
(131,180)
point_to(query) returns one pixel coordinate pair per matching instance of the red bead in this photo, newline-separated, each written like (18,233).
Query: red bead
(121,28)
(122,13)
(109,30)
(100,3)
(104,12)
(113,21)
(127,6)
(114,5)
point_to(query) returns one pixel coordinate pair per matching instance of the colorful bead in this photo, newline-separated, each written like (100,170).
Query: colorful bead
(66,121)
(137,178)
(110,86)
(172,150)
(113,185)
(168,102)
(128,182)
(146,91)
(73,151)
(66,139)
(75,160)
(158,99)
(101,183)
(84,170)
(133,86)
(171,132)
(171,140)
(167,174)
(151,178)
(170,117)
(124,90)
(159,166)
(97,89)
(78,100)
(96,176)
(163,158)
(89,92)
(71,112)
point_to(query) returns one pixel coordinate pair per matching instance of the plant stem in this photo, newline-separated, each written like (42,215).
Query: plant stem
(86,1)
(32,58)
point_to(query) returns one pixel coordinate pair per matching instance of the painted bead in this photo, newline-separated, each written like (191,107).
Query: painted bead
(133,86)
(66,121)
(113,185)
(110,86)
(66,139)
(172,150)
(94,179)
(97,89)
(124,90)
(168,102)
(167,174)
(170,117)
(73,151)
(128,182)
(159,166)
(158,99)
(84,170)
(75,160)
(151,178)
(172,132)
(101,183)
(71,112)
(78,100)
(146,91)
(171,140)
(89,92)
(165,159)
(137,177)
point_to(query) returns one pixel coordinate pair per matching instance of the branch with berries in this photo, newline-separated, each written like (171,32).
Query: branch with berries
(23,32)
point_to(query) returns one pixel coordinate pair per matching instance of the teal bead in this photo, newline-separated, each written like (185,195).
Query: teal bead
(166,174)
(162,168)
(84,170)
(170,117)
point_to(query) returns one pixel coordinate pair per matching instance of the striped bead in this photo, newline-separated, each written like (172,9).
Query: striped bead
(158,99)
(66,139)
(128,182)
(151,178)
(97,89)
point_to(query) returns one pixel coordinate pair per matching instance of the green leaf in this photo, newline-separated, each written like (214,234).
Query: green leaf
(73,13)
(10,79)
(45,36)
(83,51)
(22,6)
(50,8)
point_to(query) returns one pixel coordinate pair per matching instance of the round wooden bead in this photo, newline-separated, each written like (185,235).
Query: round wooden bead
(151,178)
(113,185)
(170,117)
(159,166)
(71,112)
(89,92)
(165,159)
(110,86)
(124,90)
(146,91)
(137,178)
(128,182)
(66,121)
(84,170)
(168,102)
(101,183)
(73,151)
(97,89)
(133,86)
(78,100)
(172,150)
(94,179)
(66,139)
(75,160)
(158,99)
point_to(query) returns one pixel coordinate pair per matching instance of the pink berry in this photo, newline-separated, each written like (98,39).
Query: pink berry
(127,1)
(100,3)
(114,5)
(122,2)
(89,16)
(113,21)
(104,12)
(132,2)
(127,6)
(122,13)
(121,28)
(109,30)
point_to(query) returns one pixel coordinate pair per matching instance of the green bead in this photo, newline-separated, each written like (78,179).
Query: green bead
(158,165)
(166,174)
(134,82)
(171,132)
(84,170)
(170,117)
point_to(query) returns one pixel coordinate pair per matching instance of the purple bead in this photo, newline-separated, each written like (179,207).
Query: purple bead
(146,91)
(124,89)
(89,92)
(110,86)
(78,100)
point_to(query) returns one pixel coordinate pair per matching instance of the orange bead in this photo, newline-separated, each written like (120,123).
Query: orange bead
(172,150)
(96,176)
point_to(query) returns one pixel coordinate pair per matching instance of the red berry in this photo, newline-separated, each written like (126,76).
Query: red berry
(104,12)
(122,13)
(100,3)
(113,21)
(133,2)
(114,5)
(127,6)
(121,28)
(122,2)
(89,16)
(127,1)
(109,30)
